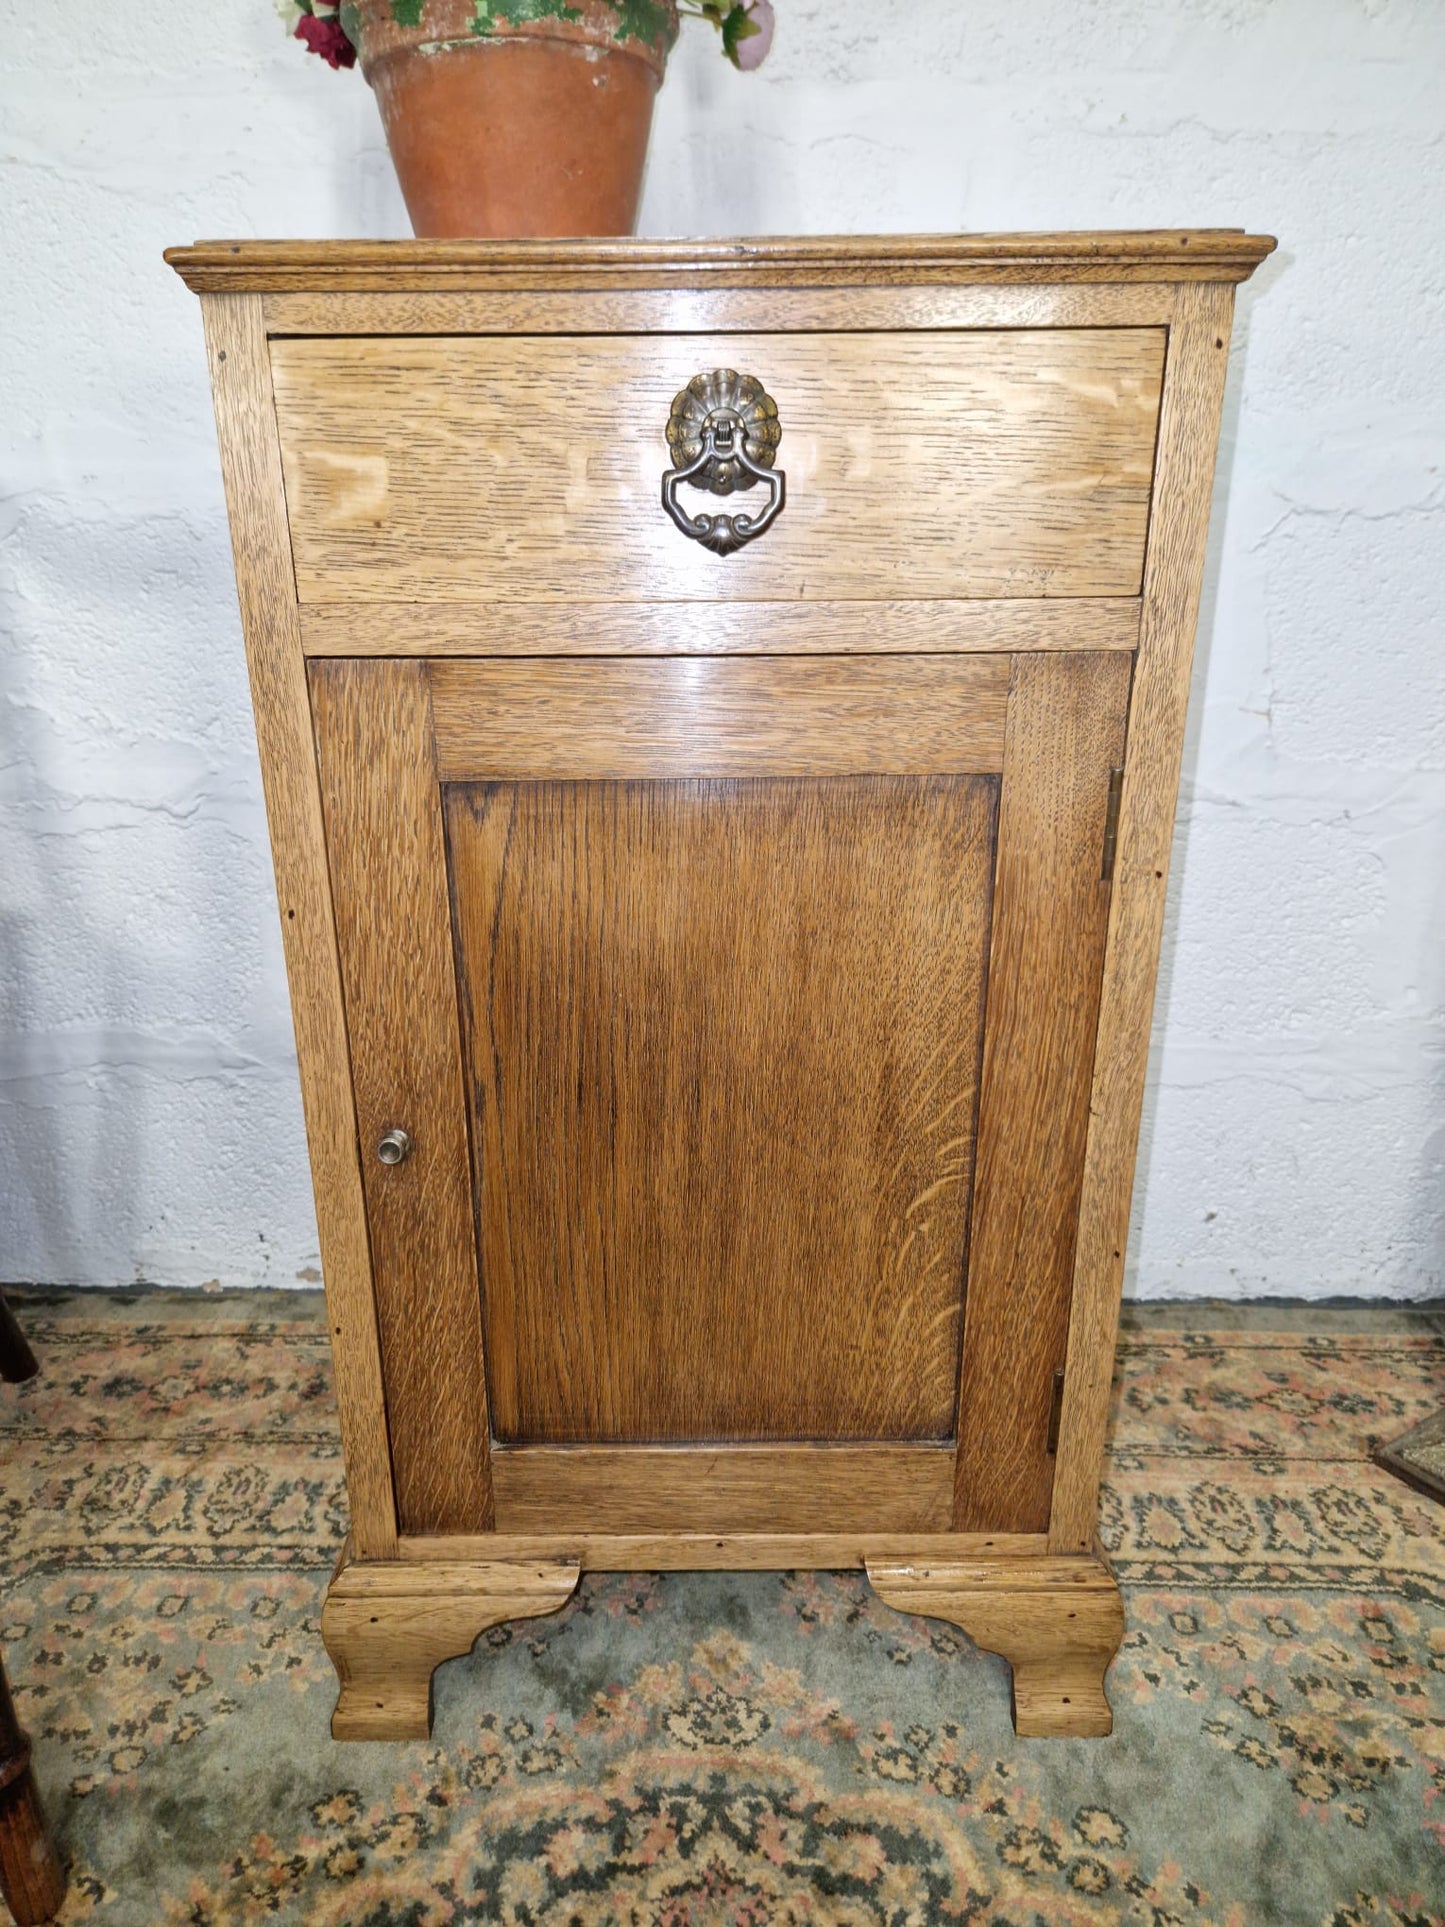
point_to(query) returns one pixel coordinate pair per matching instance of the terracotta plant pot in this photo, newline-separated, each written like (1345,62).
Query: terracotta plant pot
(537,127)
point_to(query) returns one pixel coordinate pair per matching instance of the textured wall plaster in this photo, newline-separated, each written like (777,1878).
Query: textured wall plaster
(149,1118)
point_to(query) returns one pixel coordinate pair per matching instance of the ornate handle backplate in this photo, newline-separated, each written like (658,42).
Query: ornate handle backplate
(724,433)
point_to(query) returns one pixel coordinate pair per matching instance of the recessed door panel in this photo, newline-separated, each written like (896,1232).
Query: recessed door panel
(723,1044)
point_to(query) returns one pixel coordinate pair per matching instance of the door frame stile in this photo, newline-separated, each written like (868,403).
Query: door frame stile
(240,367)
(382,811)
(1064,732)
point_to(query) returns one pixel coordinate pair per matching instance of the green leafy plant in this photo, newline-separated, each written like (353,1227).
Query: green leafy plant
(746,26)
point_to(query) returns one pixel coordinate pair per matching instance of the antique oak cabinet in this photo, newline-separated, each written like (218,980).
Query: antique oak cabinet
(720,708)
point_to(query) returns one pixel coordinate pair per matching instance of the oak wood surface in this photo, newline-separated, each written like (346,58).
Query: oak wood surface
(1013,463)
(722,1552)
(1029,542)
(660,311)
(1057,1622)
(384,835)
(1065,731)
(775,1488)
(251,470)
(698,717)
(1211,254)
(989,626)
(388,1626)
(723,1042)
(1198,354)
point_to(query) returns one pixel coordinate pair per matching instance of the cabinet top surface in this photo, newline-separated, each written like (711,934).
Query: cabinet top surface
(280,267)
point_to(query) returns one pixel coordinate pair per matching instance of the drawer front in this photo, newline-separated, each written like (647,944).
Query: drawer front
(931,465)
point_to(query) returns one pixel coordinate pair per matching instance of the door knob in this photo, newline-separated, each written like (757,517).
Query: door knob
(394,1148)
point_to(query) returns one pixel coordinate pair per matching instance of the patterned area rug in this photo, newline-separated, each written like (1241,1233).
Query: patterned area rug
(721,1751)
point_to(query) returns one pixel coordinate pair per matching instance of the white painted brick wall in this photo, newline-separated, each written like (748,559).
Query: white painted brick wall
(1293,1143)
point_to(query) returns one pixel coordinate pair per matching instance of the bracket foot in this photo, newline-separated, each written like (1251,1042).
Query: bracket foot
(389,1624)
(1057,1621)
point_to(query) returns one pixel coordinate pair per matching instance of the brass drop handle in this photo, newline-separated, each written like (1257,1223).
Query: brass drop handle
(394,1148)
(724,434)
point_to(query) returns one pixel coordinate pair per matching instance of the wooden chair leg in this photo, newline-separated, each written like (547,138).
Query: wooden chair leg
(389,1625)
(31,1877)
(1058,1622)
(17,1361)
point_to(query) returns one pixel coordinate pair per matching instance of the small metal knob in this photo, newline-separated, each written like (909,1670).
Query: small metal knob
(394,1148)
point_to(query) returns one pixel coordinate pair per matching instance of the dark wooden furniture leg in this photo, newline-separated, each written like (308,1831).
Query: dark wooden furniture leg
(17,1361)
(31,1877)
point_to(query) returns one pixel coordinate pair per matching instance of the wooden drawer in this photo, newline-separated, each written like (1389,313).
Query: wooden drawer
(1010,463)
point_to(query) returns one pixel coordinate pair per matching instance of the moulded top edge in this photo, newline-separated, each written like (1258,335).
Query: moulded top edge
(409,267)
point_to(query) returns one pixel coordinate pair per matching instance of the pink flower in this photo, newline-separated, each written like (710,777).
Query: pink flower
(327,38)
(753,48)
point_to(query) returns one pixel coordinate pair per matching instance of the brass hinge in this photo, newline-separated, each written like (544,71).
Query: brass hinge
(1056,1411)
(1111,823)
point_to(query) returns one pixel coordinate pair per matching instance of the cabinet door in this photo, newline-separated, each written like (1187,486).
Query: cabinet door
(740,1013)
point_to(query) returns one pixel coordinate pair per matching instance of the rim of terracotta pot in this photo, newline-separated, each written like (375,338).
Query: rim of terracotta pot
(381,29)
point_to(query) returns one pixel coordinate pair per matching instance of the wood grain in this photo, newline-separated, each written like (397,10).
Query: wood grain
(709,717)
(725,1552)
(775,1489)
(1065,730)
(724,882)
(251,469)
(717,628)
(659,311)
(1194,394)
(723,1041)
(1057,1622)
(384,836)
(17,1361)
(967,464)
(32,1879)
(1210,254)
(387,1627)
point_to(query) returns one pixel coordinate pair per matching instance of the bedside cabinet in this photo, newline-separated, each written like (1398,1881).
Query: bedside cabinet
(720,708)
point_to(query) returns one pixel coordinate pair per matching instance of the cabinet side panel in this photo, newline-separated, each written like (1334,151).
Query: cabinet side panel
(1193,397)
(384,832)
(1065,731)
(251,468)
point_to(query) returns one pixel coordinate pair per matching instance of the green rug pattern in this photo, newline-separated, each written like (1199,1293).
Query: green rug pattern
(725,1750)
